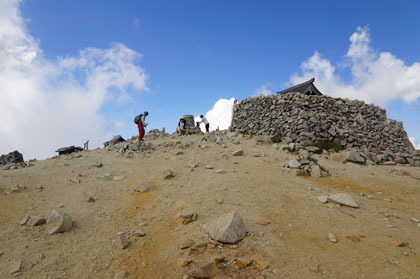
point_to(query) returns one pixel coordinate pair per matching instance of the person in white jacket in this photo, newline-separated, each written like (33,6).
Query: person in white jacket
(205,121)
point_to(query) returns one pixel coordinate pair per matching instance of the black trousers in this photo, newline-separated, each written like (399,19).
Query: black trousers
(207,127)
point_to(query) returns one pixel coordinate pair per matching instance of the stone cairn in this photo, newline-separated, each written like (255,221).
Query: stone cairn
(190,124)
(305,120)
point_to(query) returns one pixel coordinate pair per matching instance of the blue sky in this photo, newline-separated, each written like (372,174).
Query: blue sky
(189,55)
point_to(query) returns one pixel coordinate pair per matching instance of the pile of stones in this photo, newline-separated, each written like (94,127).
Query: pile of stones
(14,166)
(305,120)
(306,163)
(156,133)
(132,148)
(190,125)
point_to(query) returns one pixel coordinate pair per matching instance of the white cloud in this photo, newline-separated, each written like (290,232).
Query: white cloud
(263,90)
(377,77)
(415,143)
(220,116)
(48,104)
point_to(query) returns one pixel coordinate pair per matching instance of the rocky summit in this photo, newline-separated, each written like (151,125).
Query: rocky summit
(221,205)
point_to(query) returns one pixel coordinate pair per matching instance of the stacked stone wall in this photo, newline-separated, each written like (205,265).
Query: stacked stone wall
(302,119)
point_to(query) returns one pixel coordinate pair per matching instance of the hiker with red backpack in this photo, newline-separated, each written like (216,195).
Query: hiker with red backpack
(141,124)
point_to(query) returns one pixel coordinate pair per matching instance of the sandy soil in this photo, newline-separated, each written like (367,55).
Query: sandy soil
(294,244)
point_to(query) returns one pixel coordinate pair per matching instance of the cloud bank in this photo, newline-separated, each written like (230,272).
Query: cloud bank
(220,116)
(376,77)
(47,104)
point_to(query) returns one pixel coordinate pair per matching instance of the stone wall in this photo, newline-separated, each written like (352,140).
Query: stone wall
(305,120)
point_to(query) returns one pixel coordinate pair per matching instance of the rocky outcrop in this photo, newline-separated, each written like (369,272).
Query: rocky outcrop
(114,140)
(11,158)
(303,119)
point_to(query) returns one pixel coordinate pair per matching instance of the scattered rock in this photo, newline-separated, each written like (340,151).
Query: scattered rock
(168,174)
(323,199)
(343,199)
(91,199)
(179,152)
(220,171)
(209,167)
(260,265)
(59,222)
(182,262)
(415,220)
(242,263)
(99,164)
(229,228)
(186,244)
(139,232)
(353,238)
(121,240)
(316,268)
(36,221)
(186,218)
(239,152)
(263,222)
(16,188)
(398,243)
(24,220)
(205,271)
(144,187)
(15,266)
(332,238)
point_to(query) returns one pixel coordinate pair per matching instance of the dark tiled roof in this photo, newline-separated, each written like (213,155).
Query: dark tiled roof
(303,88)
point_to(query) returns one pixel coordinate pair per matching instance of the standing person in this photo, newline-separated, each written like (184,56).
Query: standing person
(140,121)
(204,120)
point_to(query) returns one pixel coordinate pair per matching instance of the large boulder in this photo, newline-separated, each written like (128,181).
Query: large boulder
(228,228)
(12,157)
(59,222)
